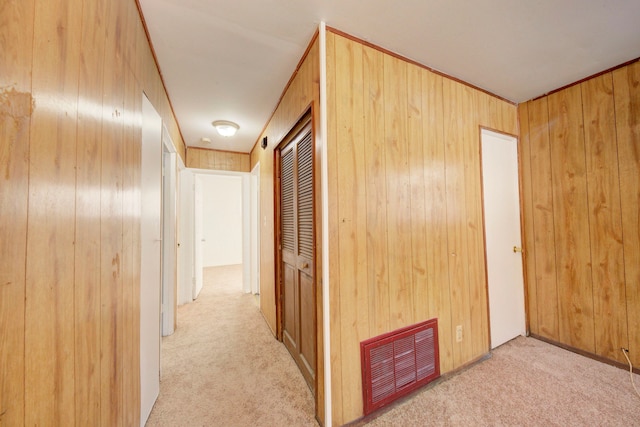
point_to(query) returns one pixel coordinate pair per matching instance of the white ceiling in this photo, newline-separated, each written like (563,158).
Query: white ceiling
(230,59)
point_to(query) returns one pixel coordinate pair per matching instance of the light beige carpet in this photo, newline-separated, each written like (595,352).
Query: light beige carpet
(526,382)
(223,367)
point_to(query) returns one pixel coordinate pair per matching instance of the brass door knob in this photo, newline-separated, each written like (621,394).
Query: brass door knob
(517,249)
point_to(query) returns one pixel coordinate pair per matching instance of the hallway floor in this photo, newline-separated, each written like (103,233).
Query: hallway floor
(223,367)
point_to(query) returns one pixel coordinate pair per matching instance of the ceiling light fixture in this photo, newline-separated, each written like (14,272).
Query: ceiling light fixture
(225,128)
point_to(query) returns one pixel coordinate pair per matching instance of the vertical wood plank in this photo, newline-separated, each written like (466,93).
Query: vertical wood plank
(334,247)
(398,193)
(456,218)
(137,252)
(16,104)
(87,224)
(111,221)
(131,291)
(527,215)
(419,291)
(626,82)
(190,162)
(210,160)
(610,308)
(436,214)
(313,91)
(354,298)
(478,303)
(375,181)
(571,224)
(545,280)
(49,336)
(130,365)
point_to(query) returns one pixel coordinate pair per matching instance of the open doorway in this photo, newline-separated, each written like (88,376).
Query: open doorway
(215,228)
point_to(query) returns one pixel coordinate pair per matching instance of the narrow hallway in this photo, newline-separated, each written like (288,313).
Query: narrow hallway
(223,366)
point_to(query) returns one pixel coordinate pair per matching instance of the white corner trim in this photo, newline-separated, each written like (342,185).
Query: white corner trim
(325,224)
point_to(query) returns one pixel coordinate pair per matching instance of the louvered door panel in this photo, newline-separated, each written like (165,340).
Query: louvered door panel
(287,213)
(305,197)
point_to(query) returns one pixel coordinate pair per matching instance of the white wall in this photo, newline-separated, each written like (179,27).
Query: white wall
(222,220)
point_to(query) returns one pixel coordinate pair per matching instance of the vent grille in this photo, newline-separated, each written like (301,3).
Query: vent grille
(399,362)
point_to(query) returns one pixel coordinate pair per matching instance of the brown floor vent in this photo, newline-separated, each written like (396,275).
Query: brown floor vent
(398,362)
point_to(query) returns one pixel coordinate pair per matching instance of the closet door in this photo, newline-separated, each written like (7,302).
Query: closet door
(297,243)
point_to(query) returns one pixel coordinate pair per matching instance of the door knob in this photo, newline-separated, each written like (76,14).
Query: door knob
(517,249)
(305,265)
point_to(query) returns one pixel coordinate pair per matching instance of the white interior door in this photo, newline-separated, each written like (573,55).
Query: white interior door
(199,236)
(151,267)
(503,238)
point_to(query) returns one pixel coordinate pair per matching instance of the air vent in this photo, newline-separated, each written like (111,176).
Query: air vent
(399,362)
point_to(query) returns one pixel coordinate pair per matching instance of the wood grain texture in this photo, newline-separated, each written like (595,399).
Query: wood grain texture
(605,221)
(420,165)
(193,158)
(478,289)
(87,225)
(626,83)
(376,192)
(71,346)
(436,215)
(585,147)
(526,191)
(566,138)
(545,280)
(218,160)
(453,106)
(350,146)
(334,246)
(398,193)
(418,222)
(130,227)
(129,248)
(134,367)
(49,325)
(16,106)
(111,220)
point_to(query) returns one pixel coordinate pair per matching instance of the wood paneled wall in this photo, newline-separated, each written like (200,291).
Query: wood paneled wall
(581,195)
(201,158)
(71,84)
(405,208)
(303,92)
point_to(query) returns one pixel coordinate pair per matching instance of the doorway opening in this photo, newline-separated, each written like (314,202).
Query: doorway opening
(215,227)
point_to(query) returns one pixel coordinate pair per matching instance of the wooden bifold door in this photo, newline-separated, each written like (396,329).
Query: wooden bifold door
(296,270)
